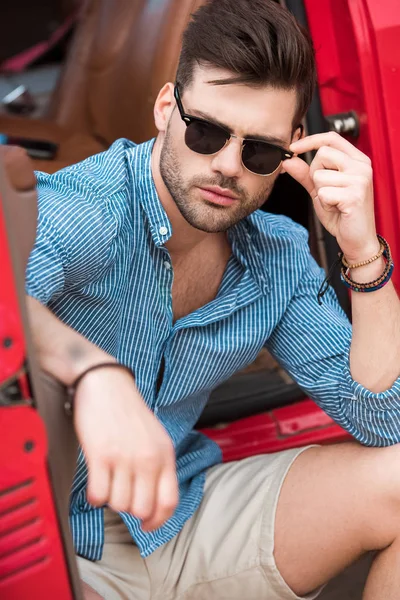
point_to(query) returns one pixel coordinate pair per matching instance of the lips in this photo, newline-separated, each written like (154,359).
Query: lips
(220,191)
(217,195)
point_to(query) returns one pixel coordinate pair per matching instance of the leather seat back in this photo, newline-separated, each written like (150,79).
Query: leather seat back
(122,54)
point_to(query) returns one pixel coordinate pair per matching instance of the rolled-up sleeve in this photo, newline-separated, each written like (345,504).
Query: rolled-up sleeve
(312,342)
(75,231)
(45,278)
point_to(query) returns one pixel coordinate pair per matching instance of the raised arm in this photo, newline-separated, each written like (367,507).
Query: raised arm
(340,183)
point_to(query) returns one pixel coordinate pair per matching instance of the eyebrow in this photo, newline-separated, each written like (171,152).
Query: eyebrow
(270,139)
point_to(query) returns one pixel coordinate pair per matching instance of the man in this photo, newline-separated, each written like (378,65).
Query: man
(155,257)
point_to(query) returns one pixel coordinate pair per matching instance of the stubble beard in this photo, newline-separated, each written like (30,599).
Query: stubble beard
(199,213)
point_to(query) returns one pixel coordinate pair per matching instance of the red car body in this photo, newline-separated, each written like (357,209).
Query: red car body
(358,61)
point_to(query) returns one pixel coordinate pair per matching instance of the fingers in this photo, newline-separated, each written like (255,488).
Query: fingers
(331,139)
(329,167)
(99,483)
(155,499)
(121,489)
(151,496)
(300,171)
(328,177)
(325,159)
(330,158)
(144,497)
(331,197)
(167,500)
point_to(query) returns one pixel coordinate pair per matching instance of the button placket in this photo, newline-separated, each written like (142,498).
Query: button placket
(167,276)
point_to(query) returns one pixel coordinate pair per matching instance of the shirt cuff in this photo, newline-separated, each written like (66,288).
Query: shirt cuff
(352,390)
(38,292)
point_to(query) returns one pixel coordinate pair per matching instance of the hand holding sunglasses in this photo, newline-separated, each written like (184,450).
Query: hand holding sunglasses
(204,137)
(339,181)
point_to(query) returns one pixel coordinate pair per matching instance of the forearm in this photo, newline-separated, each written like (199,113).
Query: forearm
(375,346)
(62,352)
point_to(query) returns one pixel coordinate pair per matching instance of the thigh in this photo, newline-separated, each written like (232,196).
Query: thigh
(121,574)
(220,552)
(335,504)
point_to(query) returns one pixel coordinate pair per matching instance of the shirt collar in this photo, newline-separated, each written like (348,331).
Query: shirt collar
(159,223)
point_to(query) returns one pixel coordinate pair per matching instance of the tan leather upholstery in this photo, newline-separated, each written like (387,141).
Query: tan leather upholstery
(72,146)
(122,53)
(134,50)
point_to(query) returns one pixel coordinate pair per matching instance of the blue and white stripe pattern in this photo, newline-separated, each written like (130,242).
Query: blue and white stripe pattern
(100,265)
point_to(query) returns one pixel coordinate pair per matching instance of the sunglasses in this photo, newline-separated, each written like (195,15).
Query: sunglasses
(204,137)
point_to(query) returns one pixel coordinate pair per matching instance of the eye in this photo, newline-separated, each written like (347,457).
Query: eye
(204,137)
(261,158)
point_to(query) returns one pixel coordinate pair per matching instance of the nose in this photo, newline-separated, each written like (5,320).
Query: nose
(228,161)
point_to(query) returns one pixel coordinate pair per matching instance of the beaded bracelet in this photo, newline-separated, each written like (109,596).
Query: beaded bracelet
(378,283)
(364,262)
(371,286)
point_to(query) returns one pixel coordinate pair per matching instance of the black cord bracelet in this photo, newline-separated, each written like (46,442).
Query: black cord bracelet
(71,389)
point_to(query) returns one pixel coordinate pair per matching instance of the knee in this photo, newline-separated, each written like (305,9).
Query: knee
(387,464)
(89,593)
(384,475)
(377,479)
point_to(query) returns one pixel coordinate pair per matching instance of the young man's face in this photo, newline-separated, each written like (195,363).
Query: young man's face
(247,112)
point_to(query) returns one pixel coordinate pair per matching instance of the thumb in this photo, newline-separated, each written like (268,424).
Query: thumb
(300,171)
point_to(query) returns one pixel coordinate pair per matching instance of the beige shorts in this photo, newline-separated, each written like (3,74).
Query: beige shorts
(224,552)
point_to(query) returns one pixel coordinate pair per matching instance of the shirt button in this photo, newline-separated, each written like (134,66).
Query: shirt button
(163,231)
(167,265)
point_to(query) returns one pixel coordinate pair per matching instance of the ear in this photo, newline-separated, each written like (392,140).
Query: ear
(298,133)
(164,106)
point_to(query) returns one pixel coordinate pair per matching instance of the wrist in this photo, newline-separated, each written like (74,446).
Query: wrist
(101,366)
(369,272)
(363,254)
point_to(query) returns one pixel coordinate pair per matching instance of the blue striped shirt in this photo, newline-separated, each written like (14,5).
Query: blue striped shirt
(100,264)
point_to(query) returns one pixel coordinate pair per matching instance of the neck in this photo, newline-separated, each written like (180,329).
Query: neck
(185,238)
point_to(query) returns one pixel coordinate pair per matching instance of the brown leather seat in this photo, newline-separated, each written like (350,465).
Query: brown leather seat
(121,55)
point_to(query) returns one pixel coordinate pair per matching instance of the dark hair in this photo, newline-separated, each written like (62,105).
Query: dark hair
(259,41)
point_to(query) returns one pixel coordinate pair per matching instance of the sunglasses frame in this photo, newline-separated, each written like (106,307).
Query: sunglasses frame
(188,119)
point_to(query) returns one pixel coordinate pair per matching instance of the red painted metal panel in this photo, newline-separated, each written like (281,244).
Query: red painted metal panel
(287,427)
(12,347)
(31,554)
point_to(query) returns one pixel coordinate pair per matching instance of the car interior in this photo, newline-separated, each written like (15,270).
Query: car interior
(119,56)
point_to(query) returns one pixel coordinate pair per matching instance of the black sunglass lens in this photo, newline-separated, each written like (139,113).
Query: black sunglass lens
(204,138)
(261,158)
